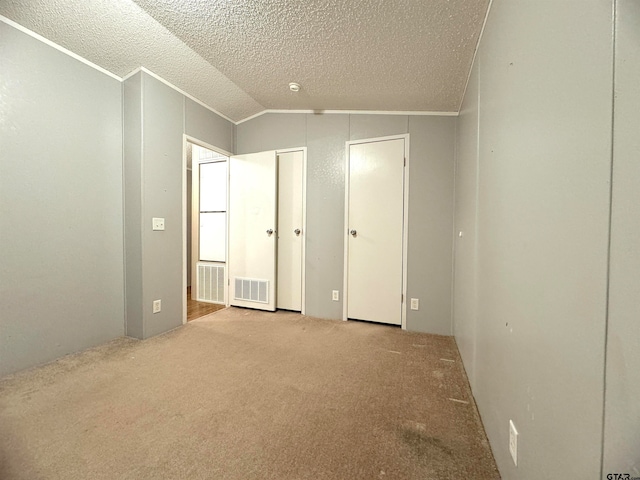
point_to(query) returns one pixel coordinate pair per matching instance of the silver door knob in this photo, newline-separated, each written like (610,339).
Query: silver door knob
(270,232)
(353,232)
(297,232)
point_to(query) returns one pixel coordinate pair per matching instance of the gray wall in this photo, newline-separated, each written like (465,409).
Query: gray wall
(61,260)
(326,136)
(204,125)
(162,145)
(132,164)
(431,199)
(432,142)
(533,341)
(156,117)
(622,414)
(465,290)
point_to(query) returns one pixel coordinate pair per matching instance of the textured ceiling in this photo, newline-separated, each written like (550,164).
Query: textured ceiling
(364,54)
(119,36)
(238,56)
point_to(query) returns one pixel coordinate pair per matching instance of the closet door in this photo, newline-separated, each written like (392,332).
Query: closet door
(374,211)
(252,230)
(290,231)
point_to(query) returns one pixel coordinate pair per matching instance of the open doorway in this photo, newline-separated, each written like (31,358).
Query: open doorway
(205,226)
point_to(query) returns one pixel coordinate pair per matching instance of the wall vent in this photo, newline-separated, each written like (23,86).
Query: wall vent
(252,290)
(210,283)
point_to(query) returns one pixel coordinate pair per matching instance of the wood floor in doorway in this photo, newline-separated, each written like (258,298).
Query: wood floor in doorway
(199,309)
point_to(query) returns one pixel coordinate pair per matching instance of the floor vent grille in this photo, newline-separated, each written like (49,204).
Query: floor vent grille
(210,282)
(252,290)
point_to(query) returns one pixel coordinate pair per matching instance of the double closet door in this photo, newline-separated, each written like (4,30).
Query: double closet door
(266,230)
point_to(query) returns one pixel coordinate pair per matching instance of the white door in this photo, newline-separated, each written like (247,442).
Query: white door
(252,230)
(290,233)
(375,219)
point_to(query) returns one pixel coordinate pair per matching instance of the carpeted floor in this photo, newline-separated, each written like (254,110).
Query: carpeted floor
(248,395)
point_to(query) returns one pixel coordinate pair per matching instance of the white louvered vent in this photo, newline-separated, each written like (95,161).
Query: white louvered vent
(252,290)
(210,282)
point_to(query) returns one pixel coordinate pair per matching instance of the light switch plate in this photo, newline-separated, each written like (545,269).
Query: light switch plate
(158,223)
(513,442)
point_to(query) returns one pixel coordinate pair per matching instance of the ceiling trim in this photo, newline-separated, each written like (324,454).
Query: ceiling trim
(355,112)
(131,74)
(179,90)
(75,56)
(475,54)
(46,41)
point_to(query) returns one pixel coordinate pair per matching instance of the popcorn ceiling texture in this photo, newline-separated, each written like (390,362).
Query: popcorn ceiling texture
(120,37)
(365,54)
(238,56)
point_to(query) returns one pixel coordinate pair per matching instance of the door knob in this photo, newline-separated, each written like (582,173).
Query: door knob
(270,232)
(353,232)
(297,232)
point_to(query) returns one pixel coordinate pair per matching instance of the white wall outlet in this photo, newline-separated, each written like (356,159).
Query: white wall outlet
(513,442)
(157,306)
(158,223)
(335,296)
(415,304)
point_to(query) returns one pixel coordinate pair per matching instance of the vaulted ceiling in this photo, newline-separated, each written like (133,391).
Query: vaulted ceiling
(238,56)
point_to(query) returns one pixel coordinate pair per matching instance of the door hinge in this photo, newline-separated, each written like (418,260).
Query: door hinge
(405,161)
(402,298)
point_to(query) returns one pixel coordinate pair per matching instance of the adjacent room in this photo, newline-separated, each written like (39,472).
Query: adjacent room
(319,239)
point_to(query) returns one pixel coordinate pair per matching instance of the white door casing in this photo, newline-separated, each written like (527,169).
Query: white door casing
(290,229)
(375,219)
(252,230)
(195,215)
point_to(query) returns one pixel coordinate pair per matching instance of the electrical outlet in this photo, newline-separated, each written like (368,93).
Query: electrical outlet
(415,304)
(158,223)
(513,442)
(157,306)
(335,296)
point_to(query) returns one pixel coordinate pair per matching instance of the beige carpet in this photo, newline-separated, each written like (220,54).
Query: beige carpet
(241,394)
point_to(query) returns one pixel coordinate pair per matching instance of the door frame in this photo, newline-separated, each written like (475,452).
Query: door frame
(405,223)
(189,139)
(304,222)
